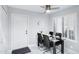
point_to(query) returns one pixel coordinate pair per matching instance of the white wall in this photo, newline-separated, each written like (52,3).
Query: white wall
(57,21)
(35,22)
(71,46)
(4,29)
(34,27)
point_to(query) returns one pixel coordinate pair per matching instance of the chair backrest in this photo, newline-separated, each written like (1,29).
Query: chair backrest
(46,41)
(39,37)
(58,34)
(51,33)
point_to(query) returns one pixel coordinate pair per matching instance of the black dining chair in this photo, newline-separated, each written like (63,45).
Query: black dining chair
(40,39)
(58,37)
(60,42)
(47,43)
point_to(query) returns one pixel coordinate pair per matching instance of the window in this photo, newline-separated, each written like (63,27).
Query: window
(66,25)
(70,26)
(57,24)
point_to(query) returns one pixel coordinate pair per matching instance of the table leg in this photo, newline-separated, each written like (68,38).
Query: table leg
(54,48)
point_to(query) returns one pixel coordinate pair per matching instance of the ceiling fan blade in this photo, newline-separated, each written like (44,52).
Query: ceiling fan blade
(42,6)
(54,8)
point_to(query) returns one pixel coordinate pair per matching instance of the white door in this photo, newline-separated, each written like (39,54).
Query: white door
(18,31)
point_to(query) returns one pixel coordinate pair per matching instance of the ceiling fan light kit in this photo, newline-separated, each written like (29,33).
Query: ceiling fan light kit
(48,11)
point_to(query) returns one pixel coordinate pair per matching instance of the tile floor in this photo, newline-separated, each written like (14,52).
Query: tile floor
(38,50)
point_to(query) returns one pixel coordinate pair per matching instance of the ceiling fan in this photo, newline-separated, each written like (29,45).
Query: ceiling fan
(48,8)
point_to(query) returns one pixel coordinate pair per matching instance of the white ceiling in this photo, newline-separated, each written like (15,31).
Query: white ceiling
(37,8)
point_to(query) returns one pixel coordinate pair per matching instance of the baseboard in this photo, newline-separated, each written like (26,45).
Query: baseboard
(9,51)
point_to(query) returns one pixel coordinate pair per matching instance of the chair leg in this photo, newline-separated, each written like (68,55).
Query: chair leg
(62,47)
(46,50)
(38,44)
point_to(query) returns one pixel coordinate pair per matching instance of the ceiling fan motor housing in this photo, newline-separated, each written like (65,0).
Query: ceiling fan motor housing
(48,7)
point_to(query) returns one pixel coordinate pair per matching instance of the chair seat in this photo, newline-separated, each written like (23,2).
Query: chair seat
(57,43)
